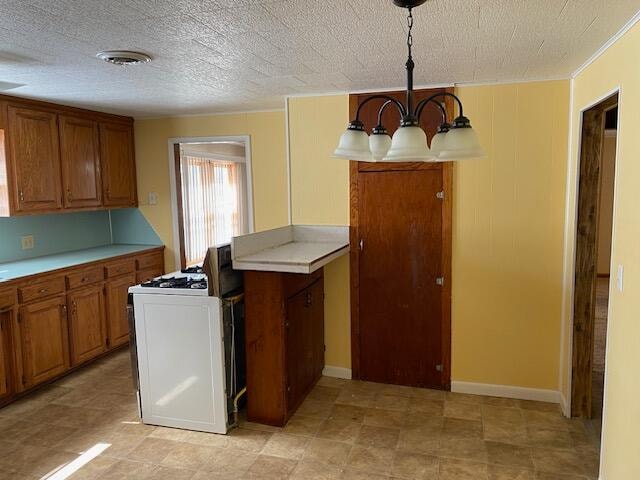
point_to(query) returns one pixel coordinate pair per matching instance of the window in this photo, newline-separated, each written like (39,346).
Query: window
(214,201)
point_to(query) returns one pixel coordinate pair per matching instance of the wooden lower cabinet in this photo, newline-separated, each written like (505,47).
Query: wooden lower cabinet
(284,324)
(87,325)
(45,340)
(6,371)
(116,300)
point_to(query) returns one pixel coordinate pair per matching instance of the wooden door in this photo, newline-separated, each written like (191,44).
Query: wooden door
(87,325)
(6,382)
(45,340)
(118,165)
(80,159)
(401,260)
(116,299)
(35,158)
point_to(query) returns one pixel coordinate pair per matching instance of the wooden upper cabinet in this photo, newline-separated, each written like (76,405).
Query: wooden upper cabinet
(80,159)
(118,165)
(35,160)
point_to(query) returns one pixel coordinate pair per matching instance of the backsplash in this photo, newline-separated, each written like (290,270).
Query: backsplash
(55,233)
(65,232)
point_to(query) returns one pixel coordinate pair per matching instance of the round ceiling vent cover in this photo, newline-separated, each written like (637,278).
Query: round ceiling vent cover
(123,57)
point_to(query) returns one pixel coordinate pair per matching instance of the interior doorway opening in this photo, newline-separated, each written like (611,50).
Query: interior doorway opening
(212,194)
(596,192)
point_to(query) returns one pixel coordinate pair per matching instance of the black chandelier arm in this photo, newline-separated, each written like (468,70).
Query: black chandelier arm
(381,111)
(424,102)
(401,108)
(421,106)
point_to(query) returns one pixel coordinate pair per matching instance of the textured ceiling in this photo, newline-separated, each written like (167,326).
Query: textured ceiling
(231,55)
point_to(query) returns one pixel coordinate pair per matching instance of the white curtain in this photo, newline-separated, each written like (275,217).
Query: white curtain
(213,204)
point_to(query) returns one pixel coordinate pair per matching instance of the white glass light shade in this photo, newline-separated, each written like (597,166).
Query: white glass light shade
(437,143)
(409,144)
(461,144)
(353,145)
(379,145)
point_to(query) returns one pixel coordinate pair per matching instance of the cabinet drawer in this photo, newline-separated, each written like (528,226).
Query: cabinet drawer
(85,277)
(120,268)
(148,274)
(153,260)
(296,282)
(42,289)
(7,298)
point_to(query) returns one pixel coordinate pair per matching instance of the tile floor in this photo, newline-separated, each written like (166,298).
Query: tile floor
(344,430)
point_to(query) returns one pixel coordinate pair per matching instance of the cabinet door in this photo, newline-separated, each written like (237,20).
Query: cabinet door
(45,340)
(117,320)
(80,159)
(87,326)
(118,165)
(5,354)
(35,159)
(316,300)
(299,351)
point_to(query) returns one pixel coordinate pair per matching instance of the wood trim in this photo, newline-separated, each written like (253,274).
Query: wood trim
(447,235)
(180,219)
(592,139)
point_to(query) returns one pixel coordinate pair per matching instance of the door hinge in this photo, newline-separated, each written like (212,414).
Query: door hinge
(440,281)
(440,195)
(361,244)
(439,367)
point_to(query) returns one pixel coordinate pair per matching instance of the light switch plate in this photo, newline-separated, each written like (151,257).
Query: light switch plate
(153,198)
(27,242)
(620,278)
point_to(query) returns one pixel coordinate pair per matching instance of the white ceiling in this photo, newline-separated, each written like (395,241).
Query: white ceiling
(232,55)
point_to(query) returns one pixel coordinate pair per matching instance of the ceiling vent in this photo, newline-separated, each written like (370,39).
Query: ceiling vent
(124,57)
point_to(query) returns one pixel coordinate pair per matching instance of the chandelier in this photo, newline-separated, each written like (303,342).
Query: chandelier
(452,141)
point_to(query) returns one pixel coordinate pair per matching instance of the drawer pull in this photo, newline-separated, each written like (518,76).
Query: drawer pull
(85,279)
(309,299)
(43,290)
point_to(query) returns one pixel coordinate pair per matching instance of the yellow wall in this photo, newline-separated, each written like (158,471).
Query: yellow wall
(320,196)
(508,236)
(268,161)
(618,66)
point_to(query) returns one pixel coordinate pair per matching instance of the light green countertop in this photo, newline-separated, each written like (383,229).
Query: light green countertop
(33,266)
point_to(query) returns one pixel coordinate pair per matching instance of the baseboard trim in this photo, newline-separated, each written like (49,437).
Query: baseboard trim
(506,391)
(564,405)
(336,372)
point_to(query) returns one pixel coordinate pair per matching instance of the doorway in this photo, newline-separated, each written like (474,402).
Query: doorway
(401,261)
(594,232)
(211,194)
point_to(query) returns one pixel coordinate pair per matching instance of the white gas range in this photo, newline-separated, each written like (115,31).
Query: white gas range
(185,341)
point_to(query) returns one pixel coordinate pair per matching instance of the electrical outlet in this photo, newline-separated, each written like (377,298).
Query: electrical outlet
(620,278)
(153,198)
(27,242)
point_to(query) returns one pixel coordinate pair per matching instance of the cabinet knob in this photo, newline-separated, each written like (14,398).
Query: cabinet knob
(43,290)
(21,196)
(309,299)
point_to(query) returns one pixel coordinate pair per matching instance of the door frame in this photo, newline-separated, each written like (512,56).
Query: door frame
(582,331)
(355,168)
(175,181)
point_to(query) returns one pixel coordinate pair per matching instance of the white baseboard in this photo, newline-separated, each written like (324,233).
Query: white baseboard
(506,391)
(337,372)
(564,404)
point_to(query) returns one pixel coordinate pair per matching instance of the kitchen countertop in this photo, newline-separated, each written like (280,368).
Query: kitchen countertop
(33,266)
(292,249)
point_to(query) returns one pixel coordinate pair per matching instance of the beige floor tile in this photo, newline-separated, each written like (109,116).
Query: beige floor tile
(332,382)
(510,455)
(506,414)
(372,460)
(175,434)
(340,430)
(451,469)
(464,398)
(169,473)
(50,435)
(356,398)
(427,394)
(128,470)
(505,431)
(230,464)
(557,461)
(301,425)
(397,390)
(465,411)
(21,408)
(500,402)
(312,470)
(376,417)
(329,452)
(414,466)
(18,431)
(462,448)
(427,406)
(134,426)
(548,420)
(420,440)
(190,456)
(207,439)
(324,394)
(152,450)
(424,420)
(556,476)
(121,444)
(456,427)
(46,463)
(270,468)
(539,406)
(286,446)
(348,412)
(315,408)
(94,469)
(247,439)
(380,437)
(391,402)
(542,437)
(352,474)
(501,472)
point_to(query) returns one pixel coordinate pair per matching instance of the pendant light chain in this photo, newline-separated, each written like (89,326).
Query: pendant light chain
(410,36)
